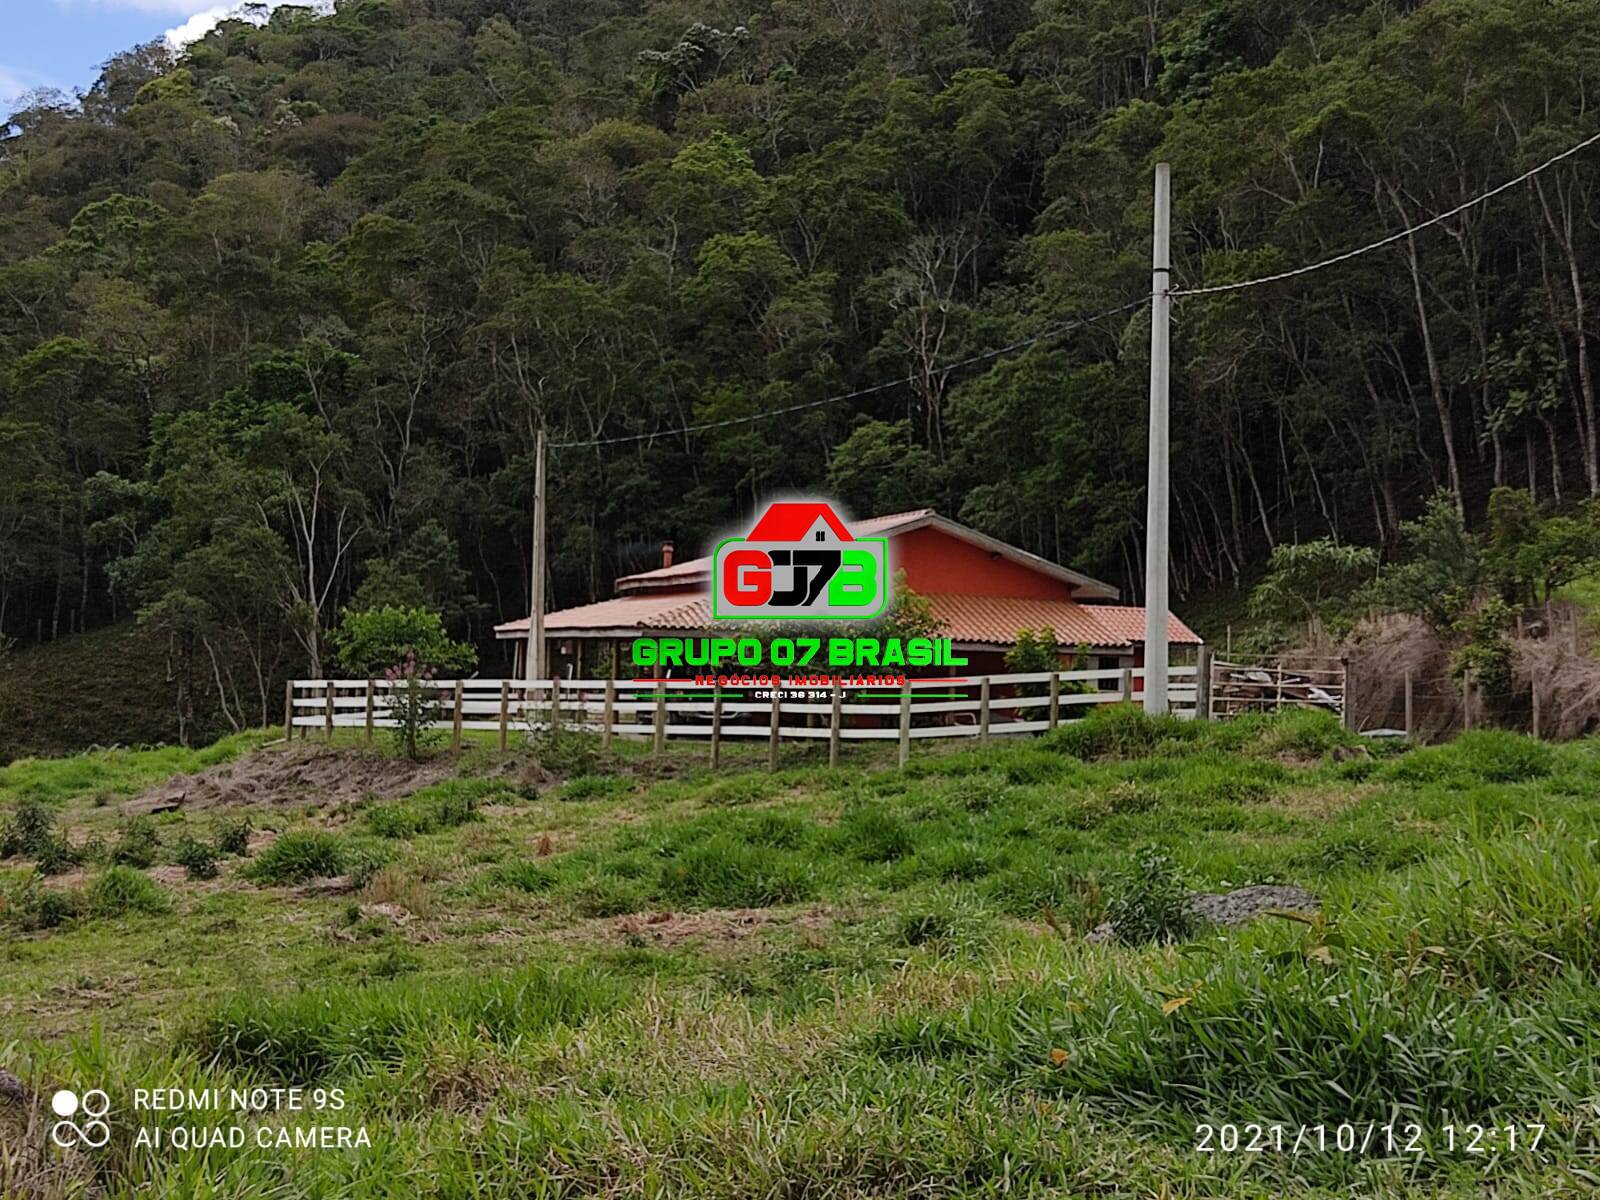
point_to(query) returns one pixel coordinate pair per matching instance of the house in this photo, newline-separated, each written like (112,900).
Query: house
(981,589)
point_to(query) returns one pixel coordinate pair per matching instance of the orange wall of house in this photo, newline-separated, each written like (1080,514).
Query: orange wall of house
(935,562)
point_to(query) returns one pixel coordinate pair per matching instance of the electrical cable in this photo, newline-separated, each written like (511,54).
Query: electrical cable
(1393,237)
(1065,327)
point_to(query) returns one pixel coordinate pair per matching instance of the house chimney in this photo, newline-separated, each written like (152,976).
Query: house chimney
(666,554)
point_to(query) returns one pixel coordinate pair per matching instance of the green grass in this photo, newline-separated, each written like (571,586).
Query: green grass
(861,982)
(107,776)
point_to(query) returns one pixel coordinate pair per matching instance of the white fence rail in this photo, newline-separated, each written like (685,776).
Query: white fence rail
(658,709)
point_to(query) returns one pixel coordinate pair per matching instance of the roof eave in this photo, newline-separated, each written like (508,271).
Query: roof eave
(1086,585)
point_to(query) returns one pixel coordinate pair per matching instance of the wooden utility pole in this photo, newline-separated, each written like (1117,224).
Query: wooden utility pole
(1157,500)
(716,726)
(834,723)
(905,724)
(535,656)
(772,738)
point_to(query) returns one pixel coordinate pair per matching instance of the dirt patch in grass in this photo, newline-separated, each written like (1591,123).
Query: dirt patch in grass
(665,928)
(292,775)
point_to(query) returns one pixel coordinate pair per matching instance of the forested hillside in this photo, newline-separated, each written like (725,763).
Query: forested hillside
(280,315)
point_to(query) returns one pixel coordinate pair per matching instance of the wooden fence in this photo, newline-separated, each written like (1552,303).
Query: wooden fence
(659,709)
(1277,682)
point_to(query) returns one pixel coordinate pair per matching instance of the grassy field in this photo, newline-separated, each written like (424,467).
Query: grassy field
(551,974)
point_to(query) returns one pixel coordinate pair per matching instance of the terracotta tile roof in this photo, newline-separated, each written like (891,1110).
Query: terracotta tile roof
(989,620)
(698,570)
(648,610)
(995,620)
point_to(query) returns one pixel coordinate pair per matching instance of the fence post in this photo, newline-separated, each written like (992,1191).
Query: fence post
(1347,697)
(608,714)
(905,724)
(983,711)
(658,741)
(1534,684)
(288,709)
(1411,709)
(1466,700)
(555,704)
(772,739)
(1055,698)
(455,722)
(833,725)
(1277,704)
(716,724)
(327,720)
(505,712)
(1127,685)
(371,690)
(1202,684)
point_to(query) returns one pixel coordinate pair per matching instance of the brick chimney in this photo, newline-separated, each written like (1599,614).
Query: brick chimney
(666,554)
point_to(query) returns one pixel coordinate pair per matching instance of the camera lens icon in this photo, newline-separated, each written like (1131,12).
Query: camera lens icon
(91,1108)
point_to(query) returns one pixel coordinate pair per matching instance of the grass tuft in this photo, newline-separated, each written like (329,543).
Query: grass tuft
(297,857)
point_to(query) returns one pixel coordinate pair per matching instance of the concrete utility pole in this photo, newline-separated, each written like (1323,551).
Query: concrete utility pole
(1155,531)
(535,656)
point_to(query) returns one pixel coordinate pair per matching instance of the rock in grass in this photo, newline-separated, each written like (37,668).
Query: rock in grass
(1245,904)
(1238,907)
(12,1089)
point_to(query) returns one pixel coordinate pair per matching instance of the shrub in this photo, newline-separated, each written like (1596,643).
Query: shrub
(297,857)
(1488,755)
(447,806)
(1149,903)
(364,863)
(233,837)
(1121,731)
(412,704)
(121,889)
(138,846)
(32,833)
(31,825)
(565,751)
(375,640)
(30,906)
(197,859)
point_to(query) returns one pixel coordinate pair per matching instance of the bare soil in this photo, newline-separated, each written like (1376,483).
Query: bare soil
(292,775)
(708,925)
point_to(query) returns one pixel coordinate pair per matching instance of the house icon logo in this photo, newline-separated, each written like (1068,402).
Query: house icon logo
(799,562)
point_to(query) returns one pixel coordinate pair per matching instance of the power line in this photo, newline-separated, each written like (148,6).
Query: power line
(1065,327)
(1393,237)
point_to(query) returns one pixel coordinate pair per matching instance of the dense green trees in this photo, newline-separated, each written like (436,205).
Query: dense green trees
(280,316)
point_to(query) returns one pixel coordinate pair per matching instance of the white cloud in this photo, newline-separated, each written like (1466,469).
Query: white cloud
(197,26)
(200,18)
